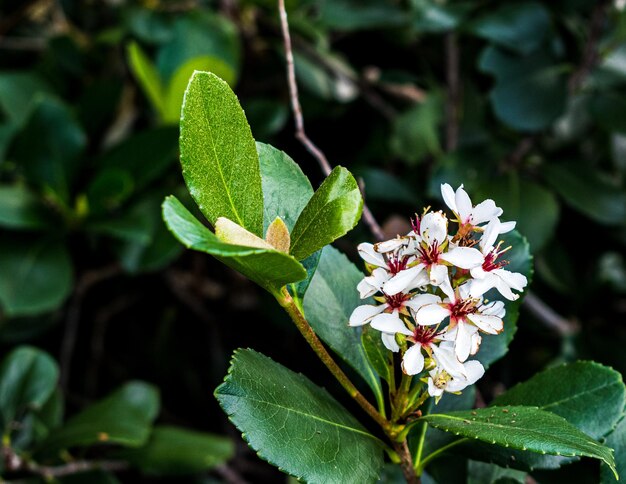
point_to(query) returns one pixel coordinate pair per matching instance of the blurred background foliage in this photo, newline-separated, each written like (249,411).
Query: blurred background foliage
(521,101)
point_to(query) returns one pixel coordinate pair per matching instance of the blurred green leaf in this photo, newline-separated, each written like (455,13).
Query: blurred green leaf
(616,441)
(277,410)
(218,154)
(607,109)
(584,191)
(383,186)
(332,85)
(35,275)
(520,26)
(334,210)
(268,268)
(28,377)
(175,451)
(328,304)
(21,208)
(415,133)
(124,417)
(18,92)
(351,15)
(266,116)
(379,357)
(149,25)
(530,92)
(53,160)
(147,76)
(109,189)
(535,209)
(434,17)
(198,34)
(484,473)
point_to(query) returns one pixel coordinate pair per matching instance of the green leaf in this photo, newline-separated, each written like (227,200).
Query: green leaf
(617,441)
(382,185)
(18,92)
(176,88)
(433,17)
(521,26)
(218,154)
(147,76)
(416,131)
(378,356)
(607,108)
(351,15)
(328,304)
(35,275)
(483,473)
(584,191)
(196,34)
(520,260)
(286,190)
(268,268)
(588,395)
(530,92)
(334,210)
(535,209)
(296,425)
(332,85)
(178,451)
(28,377)
(21,208)
(124,417)
(522,428)
(53,160)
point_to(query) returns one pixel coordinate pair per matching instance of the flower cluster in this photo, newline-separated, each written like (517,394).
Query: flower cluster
(429,288)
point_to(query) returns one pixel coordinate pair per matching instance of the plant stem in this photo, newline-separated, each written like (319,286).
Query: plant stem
(406,462)
(419,467)
(287,302)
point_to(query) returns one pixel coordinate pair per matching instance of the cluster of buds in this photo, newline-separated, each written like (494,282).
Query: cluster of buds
(429,288)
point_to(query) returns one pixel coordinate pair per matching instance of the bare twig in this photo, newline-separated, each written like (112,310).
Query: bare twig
(15,463)
(68,344)
(299,120)
(454,92)
(549,316)
(590,53)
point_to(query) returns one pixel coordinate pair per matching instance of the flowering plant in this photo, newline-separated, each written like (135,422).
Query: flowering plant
(436,308)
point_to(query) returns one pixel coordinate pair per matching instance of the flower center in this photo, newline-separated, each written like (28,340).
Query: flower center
(397,300)
(491,259)
(429,254)
(460,309)
(423,335)
(396,264)
(441,379)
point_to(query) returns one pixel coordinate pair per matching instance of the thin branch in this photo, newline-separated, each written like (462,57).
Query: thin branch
(590,52)
(299,120)
(68,344)
(15,463)
(549,316)
(454,91)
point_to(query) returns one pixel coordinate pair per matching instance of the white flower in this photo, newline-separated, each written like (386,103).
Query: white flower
(373,283)
(467,316)
(490,273)
(427,339)
(469,215)
(440,380)
(386,316)
(432,254)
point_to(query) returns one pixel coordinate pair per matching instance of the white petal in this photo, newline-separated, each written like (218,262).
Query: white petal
(434,227)
(401,282)
(389,340)
(365,288)
(369,255)
(433,391)
(488,324)
(413,360)
(515,280)
(456,385)
(416,302)
(504,289)
(494,308)
(490,235)
(507,226)
(485,211)
(476,340)
(447,360)
(447,192)
(463,342)
(463,204)
(363,314)
(446,287)
(393,244)
(438,274)
(478,287)
(389,323)
(475,371)
(463,257)
(431,314)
